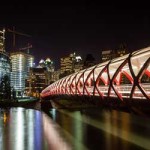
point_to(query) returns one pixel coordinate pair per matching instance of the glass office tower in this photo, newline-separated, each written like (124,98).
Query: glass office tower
(21,63)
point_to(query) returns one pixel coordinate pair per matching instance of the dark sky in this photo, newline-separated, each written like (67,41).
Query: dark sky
(81,26)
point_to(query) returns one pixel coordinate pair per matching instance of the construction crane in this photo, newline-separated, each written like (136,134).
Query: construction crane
(14,35)
(26,48)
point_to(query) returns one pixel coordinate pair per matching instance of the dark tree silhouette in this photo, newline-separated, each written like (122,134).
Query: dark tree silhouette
(5,88)
(89,61)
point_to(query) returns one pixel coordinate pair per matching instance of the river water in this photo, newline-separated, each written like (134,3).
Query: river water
(78,129)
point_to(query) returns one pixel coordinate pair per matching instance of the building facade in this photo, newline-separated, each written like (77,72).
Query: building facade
(70,64)
(111,54)
(5,66)
(106,55)
(48,64)
(21,63)
(37,81)
(4,57)
(66,64)
(2,40)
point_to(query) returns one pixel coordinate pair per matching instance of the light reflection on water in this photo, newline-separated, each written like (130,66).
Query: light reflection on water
(103,129)
(84,129)
(28,129)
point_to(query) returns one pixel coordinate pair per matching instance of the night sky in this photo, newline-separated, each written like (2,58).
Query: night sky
(80,26)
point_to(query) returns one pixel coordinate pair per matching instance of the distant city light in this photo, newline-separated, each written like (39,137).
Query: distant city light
(41,61)
(48,60)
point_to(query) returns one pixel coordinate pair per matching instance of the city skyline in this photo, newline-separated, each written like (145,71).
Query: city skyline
(88,27)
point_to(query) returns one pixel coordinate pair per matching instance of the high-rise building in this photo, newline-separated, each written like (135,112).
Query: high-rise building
(56,75)
(36,82)
(2,40)
(106,55)
(66,64)
(70,64)
(4,57)
(48,64)
(21,63)
(5,66)
(78,64)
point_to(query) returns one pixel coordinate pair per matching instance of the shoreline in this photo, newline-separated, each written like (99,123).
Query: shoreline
(45,106)
(26,103)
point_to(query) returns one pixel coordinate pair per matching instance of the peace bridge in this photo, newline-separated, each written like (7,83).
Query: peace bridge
(126,78)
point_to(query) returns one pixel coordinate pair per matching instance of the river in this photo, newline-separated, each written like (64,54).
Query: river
(77,129)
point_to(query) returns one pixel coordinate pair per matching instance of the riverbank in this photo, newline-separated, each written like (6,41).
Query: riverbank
(29,102)
(46,105)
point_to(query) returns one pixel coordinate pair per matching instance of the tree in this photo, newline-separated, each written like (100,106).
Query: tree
(89,61)
(5,88)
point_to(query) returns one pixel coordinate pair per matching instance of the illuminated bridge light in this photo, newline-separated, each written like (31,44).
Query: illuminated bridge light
(126,77)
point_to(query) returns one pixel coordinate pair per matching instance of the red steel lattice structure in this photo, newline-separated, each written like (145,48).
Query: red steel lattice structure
(123,77)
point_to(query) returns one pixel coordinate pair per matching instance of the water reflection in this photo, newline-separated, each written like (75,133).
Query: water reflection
(55,142)
(20,134)
(103,129)
(27,129)
(85,129)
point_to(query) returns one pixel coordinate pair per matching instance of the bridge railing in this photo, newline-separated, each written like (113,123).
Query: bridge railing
(123,77)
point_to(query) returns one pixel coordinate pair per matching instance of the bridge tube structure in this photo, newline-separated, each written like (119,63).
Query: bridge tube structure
(126,77)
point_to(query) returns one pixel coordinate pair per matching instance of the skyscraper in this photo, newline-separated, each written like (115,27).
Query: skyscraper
(4,57)
(2,40)
(21,63)
(37,81)
(71,63)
